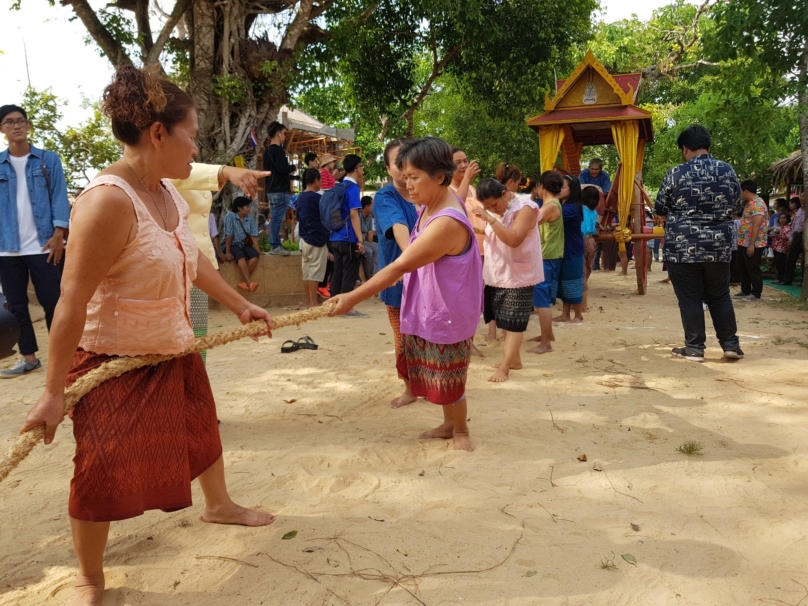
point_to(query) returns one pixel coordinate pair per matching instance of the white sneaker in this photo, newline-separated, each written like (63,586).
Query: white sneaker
(279,250)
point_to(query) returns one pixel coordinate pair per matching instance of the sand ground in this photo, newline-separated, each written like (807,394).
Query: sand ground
(382,518)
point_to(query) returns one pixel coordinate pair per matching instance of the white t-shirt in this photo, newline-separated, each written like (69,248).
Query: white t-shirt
(29,240)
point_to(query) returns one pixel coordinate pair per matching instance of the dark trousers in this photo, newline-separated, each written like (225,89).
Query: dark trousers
(794,252)
(780,260)
(695,283)
(734,268)
(329,269)
(15,273)
(751,276)
(346,267)
(598,251)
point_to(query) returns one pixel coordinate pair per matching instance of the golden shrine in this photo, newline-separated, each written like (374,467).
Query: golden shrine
(594,107)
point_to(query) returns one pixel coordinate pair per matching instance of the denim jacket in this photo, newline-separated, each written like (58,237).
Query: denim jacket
(50,205)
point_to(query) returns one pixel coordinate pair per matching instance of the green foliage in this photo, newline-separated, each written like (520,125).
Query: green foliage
(773,31)
(488,136)
(742,101)
(263,242)
(87,147)
(232,88)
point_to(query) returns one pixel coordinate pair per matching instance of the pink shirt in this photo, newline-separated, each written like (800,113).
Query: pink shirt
(442,301)
(327,180)
(507,267)
(476,222)
(142,305)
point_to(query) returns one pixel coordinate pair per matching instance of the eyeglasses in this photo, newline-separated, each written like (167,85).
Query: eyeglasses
(13,123)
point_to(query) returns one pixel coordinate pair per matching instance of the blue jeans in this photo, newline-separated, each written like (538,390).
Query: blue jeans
(278,203)
(695,283)
(46,277)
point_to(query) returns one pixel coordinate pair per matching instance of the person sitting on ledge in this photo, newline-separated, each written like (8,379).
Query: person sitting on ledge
(241,241)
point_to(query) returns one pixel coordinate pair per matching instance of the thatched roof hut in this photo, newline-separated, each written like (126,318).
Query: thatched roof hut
(787,172)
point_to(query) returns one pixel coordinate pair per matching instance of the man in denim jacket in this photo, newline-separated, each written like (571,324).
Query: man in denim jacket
(34,217)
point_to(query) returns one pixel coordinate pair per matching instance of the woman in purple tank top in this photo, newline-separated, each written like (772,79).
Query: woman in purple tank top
(443,288)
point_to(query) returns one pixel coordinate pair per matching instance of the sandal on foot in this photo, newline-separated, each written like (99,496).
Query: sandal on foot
(289,347)
(243,286)
(306,343)
(253,286)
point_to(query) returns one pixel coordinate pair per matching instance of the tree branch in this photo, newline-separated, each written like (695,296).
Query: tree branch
(437,69)
(297,25)
(156,50)
(143,26)
(112,48)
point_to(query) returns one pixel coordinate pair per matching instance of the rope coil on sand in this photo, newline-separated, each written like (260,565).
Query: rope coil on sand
(118,366)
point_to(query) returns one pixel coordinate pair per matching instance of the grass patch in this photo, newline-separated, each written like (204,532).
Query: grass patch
(788,303)
(690,448)
(607,564)
(787,340)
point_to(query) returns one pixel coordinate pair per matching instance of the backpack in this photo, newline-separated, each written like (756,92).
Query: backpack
(331,205)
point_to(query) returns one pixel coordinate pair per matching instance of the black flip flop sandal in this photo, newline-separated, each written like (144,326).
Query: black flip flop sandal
(290,348)
(306,343)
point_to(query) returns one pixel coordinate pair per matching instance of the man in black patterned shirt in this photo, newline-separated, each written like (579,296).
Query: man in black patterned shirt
(696,200)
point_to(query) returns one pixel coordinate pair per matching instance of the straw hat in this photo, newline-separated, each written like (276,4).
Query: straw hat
(327,159)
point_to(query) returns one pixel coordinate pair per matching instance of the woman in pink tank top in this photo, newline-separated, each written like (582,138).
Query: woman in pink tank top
(443,288)
(513,265)
(141,437)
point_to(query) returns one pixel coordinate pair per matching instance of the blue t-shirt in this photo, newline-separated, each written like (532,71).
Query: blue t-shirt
(589,224)
(391,208)
(352,200)
(573,238)
(603,181)
(312,230)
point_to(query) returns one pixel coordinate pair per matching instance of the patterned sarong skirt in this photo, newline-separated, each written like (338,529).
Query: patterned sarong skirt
(510,307)
(436,372)
(141,438)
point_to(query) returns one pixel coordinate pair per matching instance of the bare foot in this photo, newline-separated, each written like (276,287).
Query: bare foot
(500,376)
(476,352)
(537,339)
(402,400)
(577,320)
(561,318)
(462,441)
(491,339)
(88,591)
(541,349)
(444,432)
(516,365)
(236,514)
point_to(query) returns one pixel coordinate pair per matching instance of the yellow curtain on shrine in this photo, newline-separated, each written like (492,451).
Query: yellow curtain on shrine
(550,140)
(626,134)
(640,154)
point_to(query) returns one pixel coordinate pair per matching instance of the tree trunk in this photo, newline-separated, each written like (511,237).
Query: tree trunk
(802,118)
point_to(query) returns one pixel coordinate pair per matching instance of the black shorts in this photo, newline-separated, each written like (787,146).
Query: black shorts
(242,252)
(510,308)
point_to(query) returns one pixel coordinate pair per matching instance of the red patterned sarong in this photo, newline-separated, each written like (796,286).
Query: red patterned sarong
(141,438)
(394,315)
(434,371)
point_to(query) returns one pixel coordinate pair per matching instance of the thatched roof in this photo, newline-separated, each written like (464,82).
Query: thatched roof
(788,170)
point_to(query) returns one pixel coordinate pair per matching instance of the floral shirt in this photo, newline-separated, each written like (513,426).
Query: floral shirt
(752,209)
(697,198)
(780,241)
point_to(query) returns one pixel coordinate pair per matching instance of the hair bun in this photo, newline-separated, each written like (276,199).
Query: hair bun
(134,97)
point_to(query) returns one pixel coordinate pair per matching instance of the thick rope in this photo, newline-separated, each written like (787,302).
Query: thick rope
(118,366)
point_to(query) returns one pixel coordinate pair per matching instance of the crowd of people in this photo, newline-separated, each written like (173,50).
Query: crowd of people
(438,251)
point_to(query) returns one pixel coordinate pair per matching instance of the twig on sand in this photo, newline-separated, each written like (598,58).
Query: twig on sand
(552,418)
(226,559)
(395,578)
(630,496)
(776,601)
(742,386)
